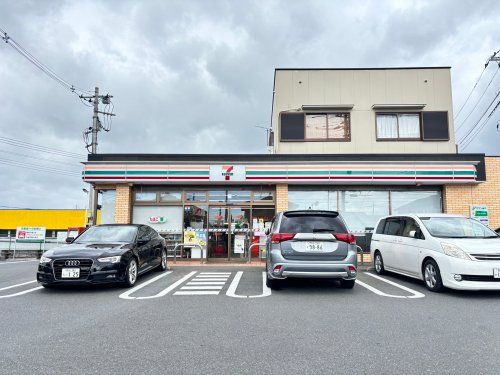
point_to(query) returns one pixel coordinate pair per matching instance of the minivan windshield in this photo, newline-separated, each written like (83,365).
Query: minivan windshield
(312,223)
(108,233)
(457,227)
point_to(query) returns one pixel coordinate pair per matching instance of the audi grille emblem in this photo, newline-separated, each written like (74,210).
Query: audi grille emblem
(72,263)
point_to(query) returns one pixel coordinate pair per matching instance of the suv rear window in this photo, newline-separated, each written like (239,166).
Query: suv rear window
(313,222)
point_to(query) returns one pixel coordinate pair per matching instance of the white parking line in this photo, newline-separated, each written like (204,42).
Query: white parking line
(126,295)
(414,293)
(202,287)
(206,283)
(21,293)
(167,290)
(212,276)
(215,273)
(16,285)
(231,291)
(196,292)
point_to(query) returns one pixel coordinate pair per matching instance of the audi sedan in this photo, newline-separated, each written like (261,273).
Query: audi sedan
(104,254)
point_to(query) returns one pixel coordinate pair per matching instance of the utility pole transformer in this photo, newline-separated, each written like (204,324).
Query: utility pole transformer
(96,127)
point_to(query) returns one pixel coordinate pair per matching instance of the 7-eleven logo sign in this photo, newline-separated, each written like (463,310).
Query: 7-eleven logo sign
(227,171)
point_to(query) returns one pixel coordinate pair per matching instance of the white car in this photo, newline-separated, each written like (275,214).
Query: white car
(443,250)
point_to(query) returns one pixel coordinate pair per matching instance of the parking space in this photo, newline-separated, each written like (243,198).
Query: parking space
(389,318)
(237,283)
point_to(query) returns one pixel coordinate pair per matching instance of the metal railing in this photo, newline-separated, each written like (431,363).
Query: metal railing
(250,251)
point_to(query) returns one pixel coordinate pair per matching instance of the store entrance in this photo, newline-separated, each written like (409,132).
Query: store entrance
(228,232)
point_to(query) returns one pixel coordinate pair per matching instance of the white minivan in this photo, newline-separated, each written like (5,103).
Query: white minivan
(443,250)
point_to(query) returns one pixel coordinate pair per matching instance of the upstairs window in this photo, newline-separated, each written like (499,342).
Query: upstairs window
(315,126)
(331,126)
(398,126)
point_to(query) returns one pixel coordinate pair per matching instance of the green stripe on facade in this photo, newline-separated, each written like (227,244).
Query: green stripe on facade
(189,173)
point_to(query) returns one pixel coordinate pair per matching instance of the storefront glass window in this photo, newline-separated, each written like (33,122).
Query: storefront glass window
(262,196)
(312,200)
(145,196)
(238,196)
(217,195)
(196,196)
(195,217)
(407,202)
(170,196)
(362,208)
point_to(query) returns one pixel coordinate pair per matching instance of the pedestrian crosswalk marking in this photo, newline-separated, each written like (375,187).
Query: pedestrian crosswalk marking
(196,292)
(205,283)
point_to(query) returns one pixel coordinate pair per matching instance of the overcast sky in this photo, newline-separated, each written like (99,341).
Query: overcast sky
(197,76)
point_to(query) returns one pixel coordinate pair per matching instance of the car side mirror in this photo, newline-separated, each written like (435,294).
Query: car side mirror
(413,234)
(267,231)
(70,239)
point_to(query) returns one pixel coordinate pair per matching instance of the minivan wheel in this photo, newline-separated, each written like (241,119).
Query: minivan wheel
(163,265)
(347,284)
(379,264)
(432,276)
(131,273)
(272,284)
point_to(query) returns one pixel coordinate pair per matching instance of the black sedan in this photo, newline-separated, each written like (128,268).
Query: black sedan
(103,254)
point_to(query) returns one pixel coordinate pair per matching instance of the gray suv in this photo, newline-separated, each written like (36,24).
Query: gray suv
(310,243)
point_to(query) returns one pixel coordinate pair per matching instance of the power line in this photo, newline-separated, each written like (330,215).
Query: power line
(481,127)
(470,93)
(38,167)
(478,127)
(44,68)
(35,147)
(480,118)
(478,101)
(74,164)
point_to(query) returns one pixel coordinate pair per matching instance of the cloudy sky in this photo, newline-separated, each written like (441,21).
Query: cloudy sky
(196,76)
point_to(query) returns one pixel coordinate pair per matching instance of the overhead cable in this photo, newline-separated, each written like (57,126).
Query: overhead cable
(478,101)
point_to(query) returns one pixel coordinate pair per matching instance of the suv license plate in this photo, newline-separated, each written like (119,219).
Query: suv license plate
(70,273)
(496,273)
(314,246)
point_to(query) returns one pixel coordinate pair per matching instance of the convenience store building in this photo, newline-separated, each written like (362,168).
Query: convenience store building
(365,142)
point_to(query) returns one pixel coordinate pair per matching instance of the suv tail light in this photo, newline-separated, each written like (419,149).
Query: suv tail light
(280,237)
(346,237)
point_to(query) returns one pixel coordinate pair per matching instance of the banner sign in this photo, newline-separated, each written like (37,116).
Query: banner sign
(480,213)
(30,234)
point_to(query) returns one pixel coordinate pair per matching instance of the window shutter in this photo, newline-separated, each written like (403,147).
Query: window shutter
(292,126)
(435,126)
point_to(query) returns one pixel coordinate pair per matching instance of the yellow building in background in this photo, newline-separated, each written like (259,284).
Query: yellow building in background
(52,220)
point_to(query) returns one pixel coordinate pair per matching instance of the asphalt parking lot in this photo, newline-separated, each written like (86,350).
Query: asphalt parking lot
(208,320)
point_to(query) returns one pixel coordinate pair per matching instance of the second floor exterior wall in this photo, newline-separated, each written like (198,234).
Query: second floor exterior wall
(412,106)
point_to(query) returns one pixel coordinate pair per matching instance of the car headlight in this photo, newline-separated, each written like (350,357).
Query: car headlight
(454,251)
(114,259)
(44,260)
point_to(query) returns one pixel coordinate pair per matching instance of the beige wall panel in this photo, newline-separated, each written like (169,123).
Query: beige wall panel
(316,87)
(332,86)
(377,87)
(347,87)
(362,90)
(300,84)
